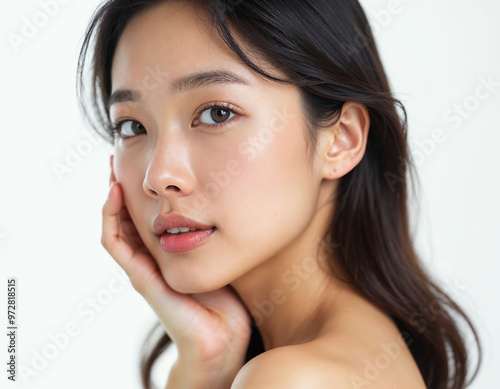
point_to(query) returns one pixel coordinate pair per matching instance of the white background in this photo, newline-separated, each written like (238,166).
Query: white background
(435,53)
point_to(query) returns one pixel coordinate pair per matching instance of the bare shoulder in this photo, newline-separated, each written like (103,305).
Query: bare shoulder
(332,363)
(290,367)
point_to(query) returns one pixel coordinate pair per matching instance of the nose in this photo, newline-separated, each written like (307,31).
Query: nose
(168,173)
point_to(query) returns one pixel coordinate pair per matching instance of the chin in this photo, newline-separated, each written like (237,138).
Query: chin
(190,284)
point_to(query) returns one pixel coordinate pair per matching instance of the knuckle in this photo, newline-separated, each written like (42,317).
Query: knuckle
(138,286)
(141,282)
(104,242)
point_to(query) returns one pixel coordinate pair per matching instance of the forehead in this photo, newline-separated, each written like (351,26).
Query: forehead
(174,38)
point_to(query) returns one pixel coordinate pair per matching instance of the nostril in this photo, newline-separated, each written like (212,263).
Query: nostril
(151,192)
(175,188)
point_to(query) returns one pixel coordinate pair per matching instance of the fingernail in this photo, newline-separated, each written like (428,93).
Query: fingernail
(110,189)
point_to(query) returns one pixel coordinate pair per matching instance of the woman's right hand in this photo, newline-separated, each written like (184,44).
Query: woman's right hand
(211,330)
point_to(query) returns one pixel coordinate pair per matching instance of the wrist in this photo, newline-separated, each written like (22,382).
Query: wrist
(195,375)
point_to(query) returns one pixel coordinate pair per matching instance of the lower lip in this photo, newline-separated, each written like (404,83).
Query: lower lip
(179,243)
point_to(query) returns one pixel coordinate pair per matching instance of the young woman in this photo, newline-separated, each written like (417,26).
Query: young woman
(258,196)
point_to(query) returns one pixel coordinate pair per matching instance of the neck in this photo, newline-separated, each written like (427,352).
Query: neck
(291,295)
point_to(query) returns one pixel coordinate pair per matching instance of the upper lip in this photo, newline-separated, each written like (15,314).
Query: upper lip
(166,222)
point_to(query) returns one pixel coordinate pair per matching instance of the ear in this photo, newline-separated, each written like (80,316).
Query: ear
(345,141)
(112,177)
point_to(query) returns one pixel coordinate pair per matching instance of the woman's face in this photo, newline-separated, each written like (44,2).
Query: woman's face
(249,177)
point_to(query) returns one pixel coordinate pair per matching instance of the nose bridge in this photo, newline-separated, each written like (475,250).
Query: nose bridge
(168,166)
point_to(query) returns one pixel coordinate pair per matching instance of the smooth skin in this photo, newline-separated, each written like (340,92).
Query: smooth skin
(270,212)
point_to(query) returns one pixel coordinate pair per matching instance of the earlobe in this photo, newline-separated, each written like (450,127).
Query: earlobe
(347,141)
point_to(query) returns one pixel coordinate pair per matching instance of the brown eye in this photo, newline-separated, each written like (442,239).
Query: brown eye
(219,115)
(216,115)
(130,128)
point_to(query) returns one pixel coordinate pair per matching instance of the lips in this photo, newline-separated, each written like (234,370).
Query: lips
(184,241)
(180,243)
(163,223)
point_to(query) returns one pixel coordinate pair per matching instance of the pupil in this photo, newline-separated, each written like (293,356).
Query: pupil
(138,128)
(219,118)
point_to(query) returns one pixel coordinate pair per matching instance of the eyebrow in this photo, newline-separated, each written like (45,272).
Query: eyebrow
(191,81)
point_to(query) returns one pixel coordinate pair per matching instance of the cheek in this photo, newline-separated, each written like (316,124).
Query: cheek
(264,205)
(129,172)
(272,186)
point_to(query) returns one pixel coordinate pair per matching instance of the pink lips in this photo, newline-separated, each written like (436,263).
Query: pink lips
(186,241)
(181,242)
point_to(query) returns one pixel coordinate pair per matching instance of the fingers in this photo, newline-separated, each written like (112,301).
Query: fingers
(121,240)
(112,177)
(111,239)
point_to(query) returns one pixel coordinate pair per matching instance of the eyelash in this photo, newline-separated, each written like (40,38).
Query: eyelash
(226,106)
(115,128)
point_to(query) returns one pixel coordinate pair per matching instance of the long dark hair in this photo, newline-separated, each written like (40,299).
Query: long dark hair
(326,48)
